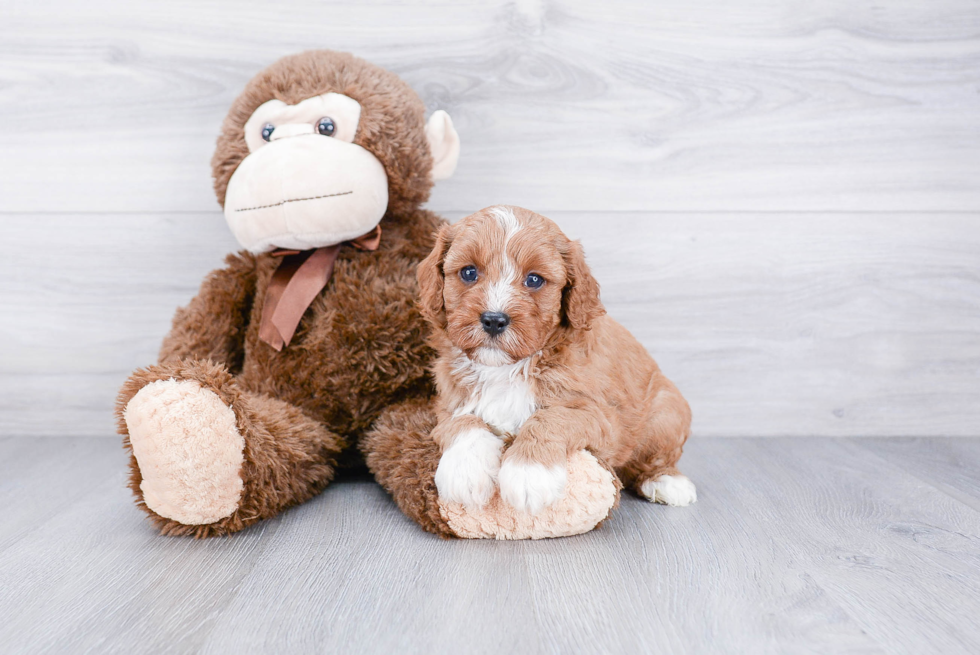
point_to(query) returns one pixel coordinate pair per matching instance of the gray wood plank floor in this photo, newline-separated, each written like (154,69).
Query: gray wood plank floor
(796,545)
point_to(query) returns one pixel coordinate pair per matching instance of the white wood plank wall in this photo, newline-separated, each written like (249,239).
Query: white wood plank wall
(780,199)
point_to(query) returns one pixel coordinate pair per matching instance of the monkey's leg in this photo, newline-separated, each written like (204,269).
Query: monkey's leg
(209,458)
(403,458)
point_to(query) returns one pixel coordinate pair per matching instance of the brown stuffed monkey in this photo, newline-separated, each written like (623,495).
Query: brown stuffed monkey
(307,348)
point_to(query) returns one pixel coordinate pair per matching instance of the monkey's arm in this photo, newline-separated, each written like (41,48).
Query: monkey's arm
(212,327)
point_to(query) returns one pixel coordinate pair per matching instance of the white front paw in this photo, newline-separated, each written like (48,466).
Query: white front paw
(675,490)
(468,469)
(529,486)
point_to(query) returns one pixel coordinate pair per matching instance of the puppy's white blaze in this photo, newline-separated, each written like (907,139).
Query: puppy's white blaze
(506,219)
(674,490)
(500,395)
(501,291)
(467,471)
(530,486)
(499,294)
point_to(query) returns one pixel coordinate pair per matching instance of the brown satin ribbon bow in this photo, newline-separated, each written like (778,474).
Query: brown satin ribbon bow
(300,277)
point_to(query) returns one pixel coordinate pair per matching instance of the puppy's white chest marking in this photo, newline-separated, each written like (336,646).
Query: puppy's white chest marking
(500,395)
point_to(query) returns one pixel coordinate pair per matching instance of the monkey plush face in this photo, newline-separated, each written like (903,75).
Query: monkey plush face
(305,184)
(330,144)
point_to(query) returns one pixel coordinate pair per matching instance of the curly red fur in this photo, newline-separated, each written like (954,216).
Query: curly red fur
(594,385)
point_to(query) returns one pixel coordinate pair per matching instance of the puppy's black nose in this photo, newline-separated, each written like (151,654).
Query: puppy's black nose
(494,322)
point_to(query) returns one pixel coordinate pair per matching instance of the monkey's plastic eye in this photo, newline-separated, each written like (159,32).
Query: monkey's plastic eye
(267,131)
(326,126)
(468,274)
(533,281)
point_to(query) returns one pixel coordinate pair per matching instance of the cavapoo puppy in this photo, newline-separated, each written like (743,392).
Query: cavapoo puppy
(531,370)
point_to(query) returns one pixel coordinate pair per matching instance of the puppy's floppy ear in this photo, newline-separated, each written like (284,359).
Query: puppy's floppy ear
(432,279)
(580,303)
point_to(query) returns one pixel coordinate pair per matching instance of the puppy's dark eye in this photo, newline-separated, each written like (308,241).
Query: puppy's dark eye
(533,281)
(326,126)
(267,131)
(468,274)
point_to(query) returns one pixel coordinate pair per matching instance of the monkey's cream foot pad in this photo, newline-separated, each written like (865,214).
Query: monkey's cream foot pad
(591,493)
(189,451)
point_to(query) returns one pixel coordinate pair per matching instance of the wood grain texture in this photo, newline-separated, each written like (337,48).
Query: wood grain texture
(791,303)
(948,465)
(39,478)
(114,106)
(876,539)
(814,545)
(771,324)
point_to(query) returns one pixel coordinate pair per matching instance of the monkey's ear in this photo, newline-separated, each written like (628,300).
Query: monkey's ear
(443,143)
(432,279)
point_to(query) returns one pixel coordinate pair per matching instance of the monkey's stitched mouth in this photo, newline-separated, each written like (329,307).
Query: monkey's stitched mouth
(283,202)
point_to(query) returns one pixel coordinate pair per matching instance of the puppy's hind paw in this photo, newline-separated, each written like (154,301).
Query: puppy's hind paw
(674,490)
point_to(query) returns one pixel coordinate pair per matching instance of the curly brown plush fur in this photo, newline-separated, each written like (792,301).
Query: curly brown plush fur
(287,454)
(230,431)
(404,459)
(360,347)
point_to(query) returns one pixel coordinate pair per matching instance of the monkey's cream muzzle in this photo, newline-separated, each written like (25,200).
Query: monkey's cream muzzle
(300,189)
(305,184)
(305,191)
